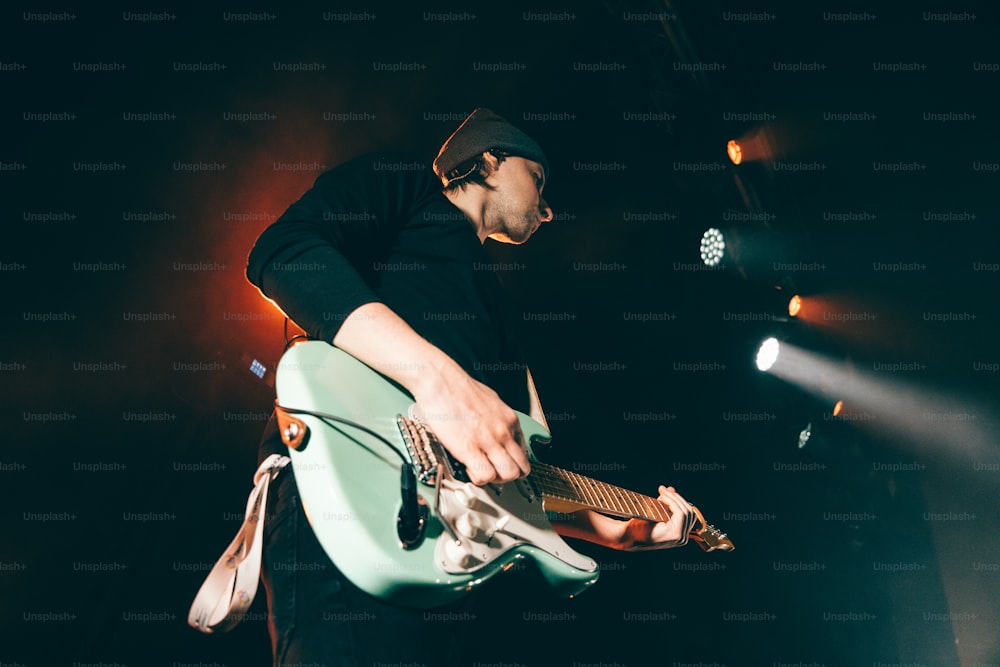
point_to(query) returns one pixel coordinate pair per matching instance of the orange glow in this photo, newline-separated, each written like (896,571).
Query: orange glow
(735,151)
(235,318)
(877,324)
(837,408)
(811,309)
(795,305)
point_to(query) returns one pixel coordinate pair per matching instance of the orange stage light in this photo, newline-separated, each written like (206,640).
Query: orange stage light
(795,305)
(735,151)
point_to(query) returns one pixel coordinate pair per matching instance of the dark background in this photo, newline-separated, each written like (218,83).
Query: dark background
(872,543)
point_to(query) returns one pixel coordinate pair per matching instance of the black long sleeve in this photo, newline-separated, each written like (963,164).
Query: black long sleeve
(317,260)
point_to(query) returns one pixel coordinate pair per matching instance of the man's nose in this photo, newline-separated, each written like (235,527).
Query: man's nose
(543,206)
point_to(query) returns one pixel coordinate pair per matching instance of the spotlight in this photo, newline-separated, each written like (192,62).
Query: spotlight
(735,151)
(940,421)
(805,434)
(748,247)
(713,247)
(794,305)
(767,354)
(753,145)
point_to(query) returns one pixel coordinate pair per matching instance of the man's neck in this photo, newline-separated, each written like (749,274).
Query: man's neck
(473,206)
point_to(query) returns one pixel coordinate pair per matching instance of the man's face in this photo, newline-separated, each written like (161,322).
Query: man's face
(515,207)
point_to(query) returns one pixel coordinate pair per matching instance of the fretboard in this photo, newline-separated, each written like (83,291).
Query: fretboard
(560,484)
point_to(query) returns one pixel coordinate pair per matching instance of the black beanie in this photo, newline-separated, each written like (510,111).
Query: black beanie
(478,133)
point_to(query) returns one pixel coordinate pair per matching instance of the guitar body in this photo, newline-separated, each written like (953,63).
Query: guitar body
(349,482)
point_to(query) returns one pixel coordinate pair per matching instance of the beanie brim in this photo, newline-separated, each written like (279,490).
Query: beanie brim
(478,133)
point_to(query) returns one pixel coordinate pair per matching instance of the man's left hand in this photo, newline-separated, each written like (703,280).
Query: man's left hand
(674,532)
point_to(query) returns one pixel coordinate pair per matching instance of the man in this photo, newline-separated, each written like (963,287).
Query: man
(372,259)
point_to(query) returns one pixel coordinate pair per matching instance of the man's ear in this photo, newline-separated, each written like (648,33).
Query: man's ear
(491,161)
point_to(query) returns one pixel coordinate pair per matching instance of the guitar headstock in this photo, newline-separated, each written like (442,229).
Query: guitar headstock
(708,537)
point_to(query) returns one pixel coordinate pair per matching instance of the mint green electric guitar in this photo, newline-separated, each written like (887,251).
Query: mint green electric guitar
(396,513)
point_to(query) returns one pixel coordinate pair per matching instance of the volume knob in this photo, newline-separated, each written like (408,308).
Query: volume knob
(468,525)
(459,555)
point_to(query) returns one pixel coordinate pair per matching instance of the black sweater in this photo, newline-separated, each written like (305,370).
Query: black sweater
(378,229)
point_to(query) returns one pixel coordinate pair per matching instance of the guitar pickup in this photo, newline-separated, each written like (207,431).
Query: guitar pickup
(458,470)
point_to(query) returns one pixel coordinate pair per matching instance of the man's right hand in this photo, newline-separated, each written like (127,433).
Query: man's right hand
(475,426)
(466,416)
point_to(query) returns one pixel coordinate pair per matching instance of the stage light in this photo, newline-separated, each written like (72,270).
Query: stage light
(794,305)
(713,247)
(735,151)
(749,247)
(934,418)
(767,354)
(753,145)
(805,434)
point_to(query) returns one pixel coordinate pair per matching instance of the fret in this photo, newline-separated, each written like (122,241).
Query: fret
(636,500)
(556,483)
(634,506)
(629,506)
(640,500)
(655,509)
(598,491)
(560,484)
(646,504)
(644,507)
(553,485)
(582,494)
(647,511)
(615,503)
(586,483)
(580,482)
(618,506)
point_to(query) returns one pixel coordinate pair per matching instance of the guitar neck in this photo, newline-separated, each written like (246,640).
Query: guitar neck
(563,486)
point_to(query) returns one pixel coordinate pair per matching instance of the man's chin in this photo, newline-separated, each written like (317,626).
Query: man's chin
(503,237)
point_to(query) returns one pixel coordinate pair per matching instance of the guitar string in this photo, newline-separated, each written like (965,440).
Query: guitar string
(641,507)
(551,472)
(568,483)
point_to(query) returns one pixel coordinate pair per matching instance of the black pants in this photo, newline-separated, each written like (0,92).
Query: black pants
(319,618)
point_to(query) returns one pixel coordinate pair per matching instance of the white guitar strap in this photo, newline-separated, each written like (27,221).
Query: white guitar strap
(230,587)
(535,403)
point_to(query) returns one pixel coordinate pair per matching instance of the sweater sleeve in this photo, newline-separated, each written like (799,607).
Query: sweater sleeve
(316,261)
